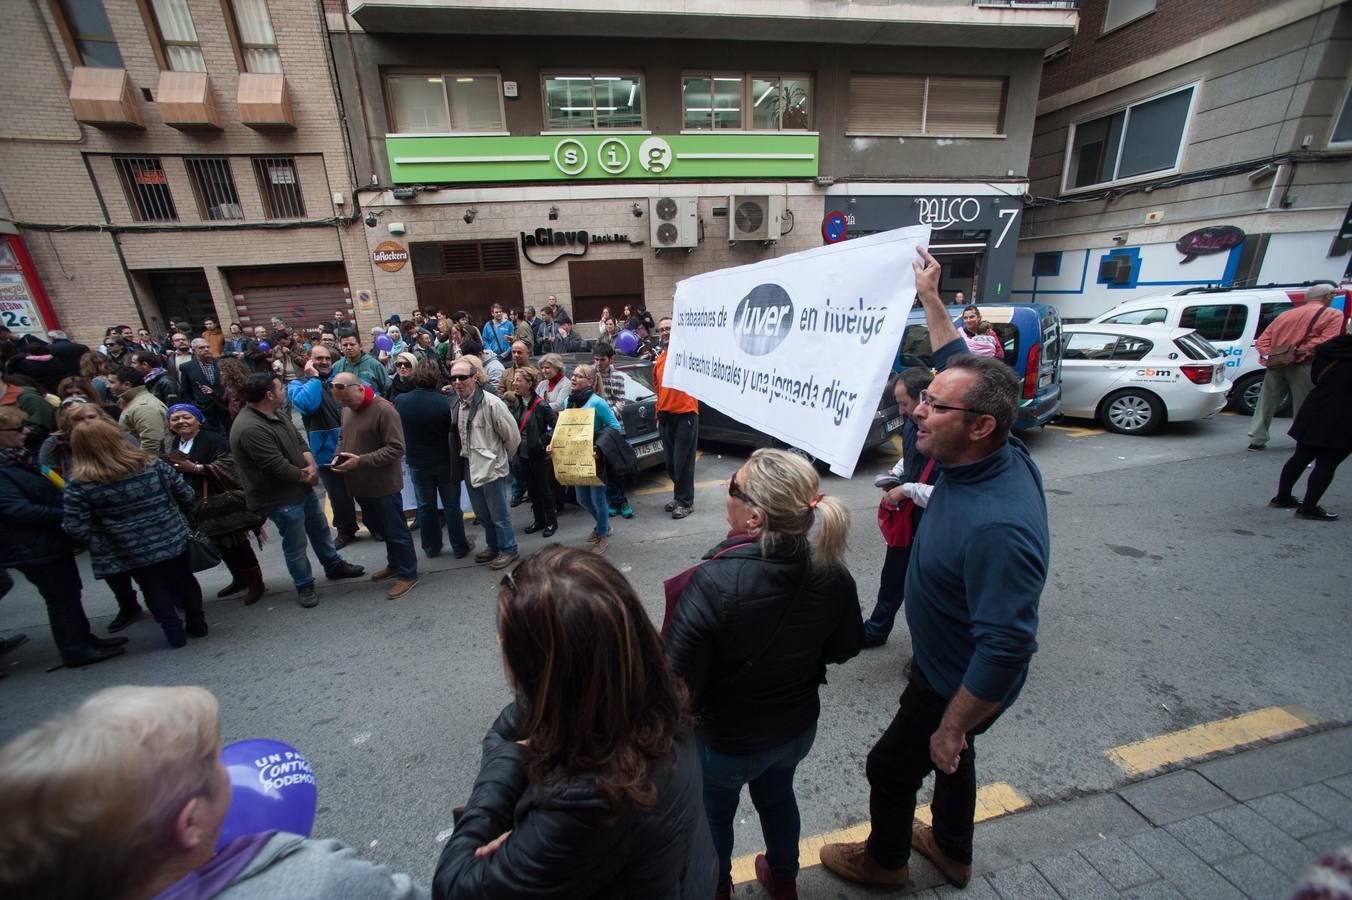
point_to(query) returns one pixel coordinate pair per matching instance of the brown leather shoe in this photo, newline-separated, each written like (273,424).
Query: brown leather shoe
(256,586)
(401,587)
(504,560)
(600,546)
(922,841)
(485,555)
(383,575)
(852,862)
(343,539)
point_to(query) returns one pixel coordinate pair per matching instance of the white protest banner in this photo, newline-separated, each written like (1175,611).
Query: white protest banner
(799,347)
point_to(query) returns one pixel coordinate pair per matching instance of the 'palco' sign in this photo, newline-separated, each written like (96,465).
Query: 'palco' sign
(1213,239)
(390,256)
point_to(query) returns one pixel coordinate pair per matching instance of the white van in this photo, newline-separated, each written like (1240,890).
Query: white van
(1230,318)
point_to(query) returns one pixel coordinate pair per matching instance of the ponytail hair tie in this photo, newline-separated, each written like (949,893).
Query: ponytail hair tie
(812,504)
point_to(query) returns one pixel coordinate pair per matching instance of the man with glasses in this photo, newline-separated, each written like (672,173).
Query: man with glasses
(483,437)
(678,426)
(976,575)
(312,396)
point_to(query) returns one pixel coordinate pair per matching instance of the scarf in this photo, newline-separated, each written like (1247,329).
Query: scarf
(554,382)
(579,398)
(14,454)
(368,394)
(153,374)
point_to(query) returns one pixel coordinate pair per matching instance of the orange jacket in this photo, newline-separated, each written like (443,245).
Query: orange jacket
(1290,325)
(670,400)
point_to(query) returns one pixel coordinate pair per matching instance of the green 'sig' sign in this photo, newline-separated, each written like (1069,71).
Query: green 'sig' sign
(447,160)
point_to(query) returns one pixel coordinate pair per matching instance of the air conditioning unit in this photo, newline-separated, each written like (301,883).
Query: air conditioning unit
(754,218)
(674,222)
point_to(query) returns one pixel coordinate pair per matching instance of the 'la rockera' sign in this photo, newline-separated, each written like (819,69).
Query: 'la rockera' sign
(439,159)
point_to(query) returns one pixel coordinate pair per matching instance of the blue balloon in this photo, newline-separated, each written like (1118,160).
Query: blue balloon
(383,342)
(271,786)
(626,341)
(264,346)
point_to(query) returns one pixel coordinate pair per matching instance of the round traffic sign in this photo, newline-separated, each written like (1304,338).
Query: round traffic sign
(833,228)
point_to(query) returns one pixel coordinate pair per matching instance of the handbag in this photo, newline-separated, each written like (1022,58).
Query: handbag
(1284,355)
(202,551)
(897,522)
(224,511)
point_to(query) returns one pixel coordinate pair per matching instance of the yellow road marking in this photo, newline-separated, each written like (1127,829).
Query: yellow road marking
(992,800)
(1075,431)
(1210,737)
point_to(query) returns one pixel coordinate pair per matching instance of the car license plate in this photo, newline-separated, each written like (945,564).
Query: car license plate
(892,425)
(648,449)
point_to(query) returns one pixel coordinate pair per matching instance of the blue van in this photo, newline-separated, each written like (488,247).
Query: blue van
(1031,335)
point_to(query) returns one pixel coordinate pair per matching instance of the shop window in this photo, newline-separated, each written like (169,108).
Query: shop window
(175,36)
(255,41)
(279,186)
(1142,140)
(1120,12)
(146,187)
(937,105)
(437,103)
(1342,127)
(87,34)
(213,187)
(1216,322)
(593,102)
(760,102)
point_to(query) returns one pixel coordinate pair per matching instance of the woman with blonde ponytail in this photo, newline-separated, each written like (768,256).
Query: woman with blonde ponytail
(755,627)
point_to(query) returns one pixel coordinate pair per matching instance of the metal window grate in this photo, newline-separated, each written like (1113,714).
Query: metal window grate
(279,186)
(213,186)
(146,187)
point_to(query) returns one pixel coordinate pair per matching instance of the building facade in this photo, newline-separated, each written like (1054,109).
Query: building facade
(602,151)
(1182,144)
(177,160)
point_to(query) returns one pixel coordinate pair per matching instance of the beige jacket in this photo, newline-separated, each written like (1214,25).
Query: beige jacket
(144,417)
(493,438)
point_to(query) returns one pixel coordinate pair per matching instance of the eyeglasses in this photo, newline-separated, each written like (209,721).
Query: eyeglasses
(403,365)
(23,427)
(925,399)
(459,377)
(735,491)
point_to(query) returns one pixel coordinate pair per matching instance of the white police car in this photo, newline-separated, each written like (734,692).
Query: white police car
(1134,378)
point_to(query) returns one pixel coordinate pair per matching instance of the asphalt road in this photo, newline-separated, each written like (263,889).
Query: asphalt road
(1175,597)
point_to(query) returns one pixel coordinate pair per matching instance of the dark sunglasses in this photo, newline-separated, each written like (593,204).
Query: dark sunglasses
(735,491)
(460,377)
(403,365)
(23,427)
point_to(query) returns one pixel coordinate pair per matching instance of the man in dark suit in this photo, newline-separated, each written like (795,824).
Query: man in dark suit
(66,350)
(201,381)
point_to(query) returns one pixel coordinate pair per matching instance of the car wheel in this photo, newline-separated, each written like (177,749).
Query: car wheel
(1132,412)
(1244,396)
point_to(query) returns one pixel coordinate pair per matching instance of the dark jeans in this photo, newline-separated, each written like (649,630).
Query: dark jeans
(59,584)
(680,434)
(122,589)
(429,483)
(491,506)
(615,491)
(1326,461)
(890,588)
(539,478)
(344,510)
(897,766)
(769,774)
(295,523)
(387,515)
(167,585)
(518,478)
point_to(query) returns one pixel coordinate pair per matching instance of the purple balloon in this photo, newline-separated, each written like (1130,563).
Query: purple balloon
(264,346)
(271,787)
(383,342)
(626,341)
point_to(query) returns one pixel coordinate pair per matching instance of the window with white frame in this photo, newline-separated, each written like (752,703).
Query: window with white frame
(593,102)
(938,105)
(177,36)
(1120,12)
(441,102)
(746,101)
(255,39)
(1342,126)
(1141,140)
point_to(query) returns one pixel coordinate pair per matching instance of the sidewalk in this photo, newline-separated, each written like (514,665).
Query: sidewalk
(1242,826)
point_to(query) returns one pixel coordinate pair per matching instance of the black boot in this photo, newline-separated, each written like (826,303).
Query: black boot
(237,584)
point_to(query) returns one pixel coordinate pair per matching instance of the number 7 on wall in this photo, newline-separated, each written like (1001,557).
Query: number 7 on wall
(1009,215)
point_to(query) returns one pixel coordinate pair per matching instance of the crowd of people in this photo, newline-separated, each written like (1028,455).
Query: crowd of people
(618,766)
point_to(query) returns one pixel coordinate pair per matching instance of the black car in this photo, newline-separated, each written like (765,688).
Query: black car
(640,417)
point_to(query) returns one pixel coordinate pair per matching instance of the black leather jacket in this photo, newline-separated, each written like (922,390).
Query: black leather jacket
(728,614)
(564,842)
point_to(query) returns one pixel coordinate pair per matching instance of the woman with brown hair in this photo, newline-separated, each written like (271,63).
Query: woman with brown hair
(121,502)
(233,374)
(752,634)
(79,386)
(535,418)
(96,367)
(589,784)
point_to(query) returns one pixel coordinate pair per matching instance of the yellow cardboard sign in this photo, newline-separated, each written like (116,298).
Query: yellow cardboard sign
(574,459)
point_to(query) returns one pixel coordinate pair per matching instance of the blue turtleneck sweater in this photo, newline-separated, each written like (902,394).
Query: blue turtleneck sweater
(976,574)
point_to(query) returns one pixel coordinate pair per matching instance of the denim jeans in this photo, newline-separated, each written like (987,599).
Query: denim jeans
(387,513)
(491,506)
(592,498)
(170,585)
(430,482)
(295,522)
(769,774)
(615,492)
(879,623)
(340,501)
